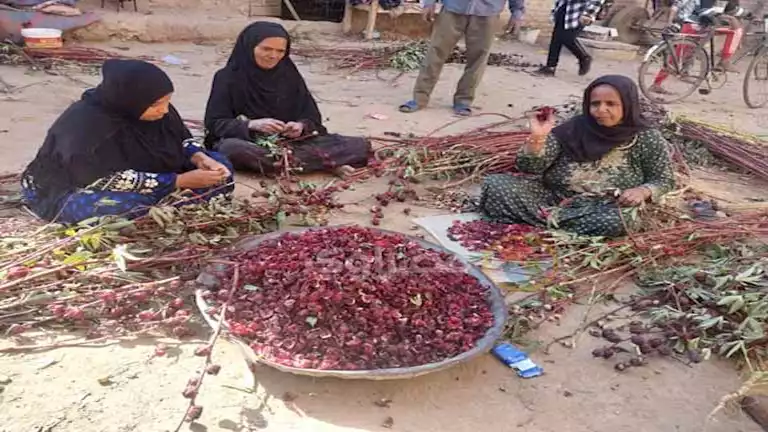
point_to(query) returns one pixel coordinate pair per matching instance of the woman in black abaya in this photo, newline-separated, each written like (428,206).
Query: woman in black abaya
(259,94)
(119,150)
(578,167)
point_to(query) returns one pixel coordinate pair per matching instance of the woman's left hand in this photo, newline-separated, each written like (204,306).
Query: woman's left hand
(205,162)
(293,129)
(635,196)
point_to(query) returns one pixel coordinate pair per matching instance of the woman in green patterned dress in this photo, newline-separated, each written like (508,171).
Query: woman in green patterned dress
(587,169)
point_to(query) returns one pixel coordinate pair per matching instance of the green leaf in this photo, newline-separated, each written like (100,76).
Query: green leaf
(156,214)
(77,257)
(728,300)
(736,347)
(711,322)
(117,226)
(720,282)
(736,305)
(120,262)
(312,321)
(122,251)
(249,287)
(106,202)
(595,263)
(198,238)
(90,221)
(280,217)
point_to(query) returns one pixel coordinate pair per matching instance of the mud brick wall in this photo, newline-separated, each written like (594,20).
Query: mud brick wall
(266,7)
(538,14)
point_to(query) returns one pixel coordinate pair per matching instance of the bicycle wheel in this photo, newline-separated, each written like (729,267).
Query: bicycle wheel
(755,79)
(678,61)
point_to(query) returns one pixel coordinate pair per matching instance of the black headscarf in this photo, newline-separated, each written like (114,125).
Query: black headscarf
(102,134)
(243,88)
(584,140)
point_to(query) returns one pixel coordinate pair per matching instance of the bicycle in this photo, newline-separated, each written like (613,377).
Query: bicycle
(686,57)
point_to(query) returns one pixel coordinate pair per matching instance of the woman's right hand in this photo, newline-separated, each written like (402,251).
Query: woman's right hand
(199,178)
(541,128)
(267,126)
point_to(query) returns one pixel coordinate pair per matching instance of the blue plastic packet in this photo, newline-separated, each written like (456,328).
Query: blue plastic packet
(517,360)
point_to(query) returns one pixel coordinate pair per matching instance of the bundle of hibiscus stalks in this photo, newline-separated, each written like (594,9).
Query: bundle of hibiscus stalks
(14,54)
(743,151)
(111,277)
(468,155)
(461,158)
(584,267)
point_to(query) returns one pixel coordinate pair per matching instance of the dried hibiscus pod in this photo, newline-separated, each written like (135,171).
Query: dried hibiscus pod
(694,356)
(611,336)
(160,349)
(193,413)
(544,113)
(213,369)
(189,392)
(203,350)
(608,352)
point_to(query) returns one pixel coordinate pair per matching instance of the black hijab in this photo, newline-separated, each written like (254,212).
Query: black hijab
(243,88)
(584,140)
(102,134)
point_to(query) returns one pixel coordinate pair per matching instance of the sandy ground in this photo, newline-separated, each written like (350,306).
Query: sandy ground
(60,390)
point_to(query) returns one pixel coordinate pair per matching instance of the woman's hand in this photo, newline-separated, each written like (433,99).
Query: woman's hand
(199,178)
(635,196)
(540,128)
(267,126)
(293,129)
(205,162)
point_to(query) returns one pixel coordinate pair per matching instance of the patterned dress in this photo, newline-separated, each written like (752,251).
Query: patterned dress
(575,196)
(128,193)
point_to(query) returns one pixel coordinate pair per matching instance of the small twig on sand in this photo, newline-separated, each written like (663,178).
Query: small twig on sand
(193,412)
(585,326)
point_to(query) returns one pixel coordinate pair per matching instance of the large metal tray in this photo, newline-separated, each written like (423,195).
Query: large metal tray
(494,296)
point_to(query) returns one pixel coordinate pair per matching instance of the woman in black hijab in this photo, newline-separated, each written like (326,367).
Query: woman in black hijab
(119,150)
(259,97)
(585,170)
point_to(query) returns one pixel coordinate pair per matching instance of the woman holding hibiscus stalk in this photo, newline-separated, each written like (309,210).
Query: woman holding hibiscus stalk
(583,172)
(261,94)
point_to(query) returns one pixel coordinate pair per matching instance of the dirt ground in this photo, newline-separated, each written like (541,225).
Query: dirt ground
(60,391)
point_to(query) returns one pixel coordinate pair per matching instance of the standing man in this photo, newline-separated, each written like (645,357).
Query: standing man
(517,12)
(475,20)
(570,17)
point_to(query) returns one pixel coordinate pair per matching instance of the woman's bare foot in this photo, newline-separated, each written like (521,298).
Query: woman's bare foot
(344,171)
